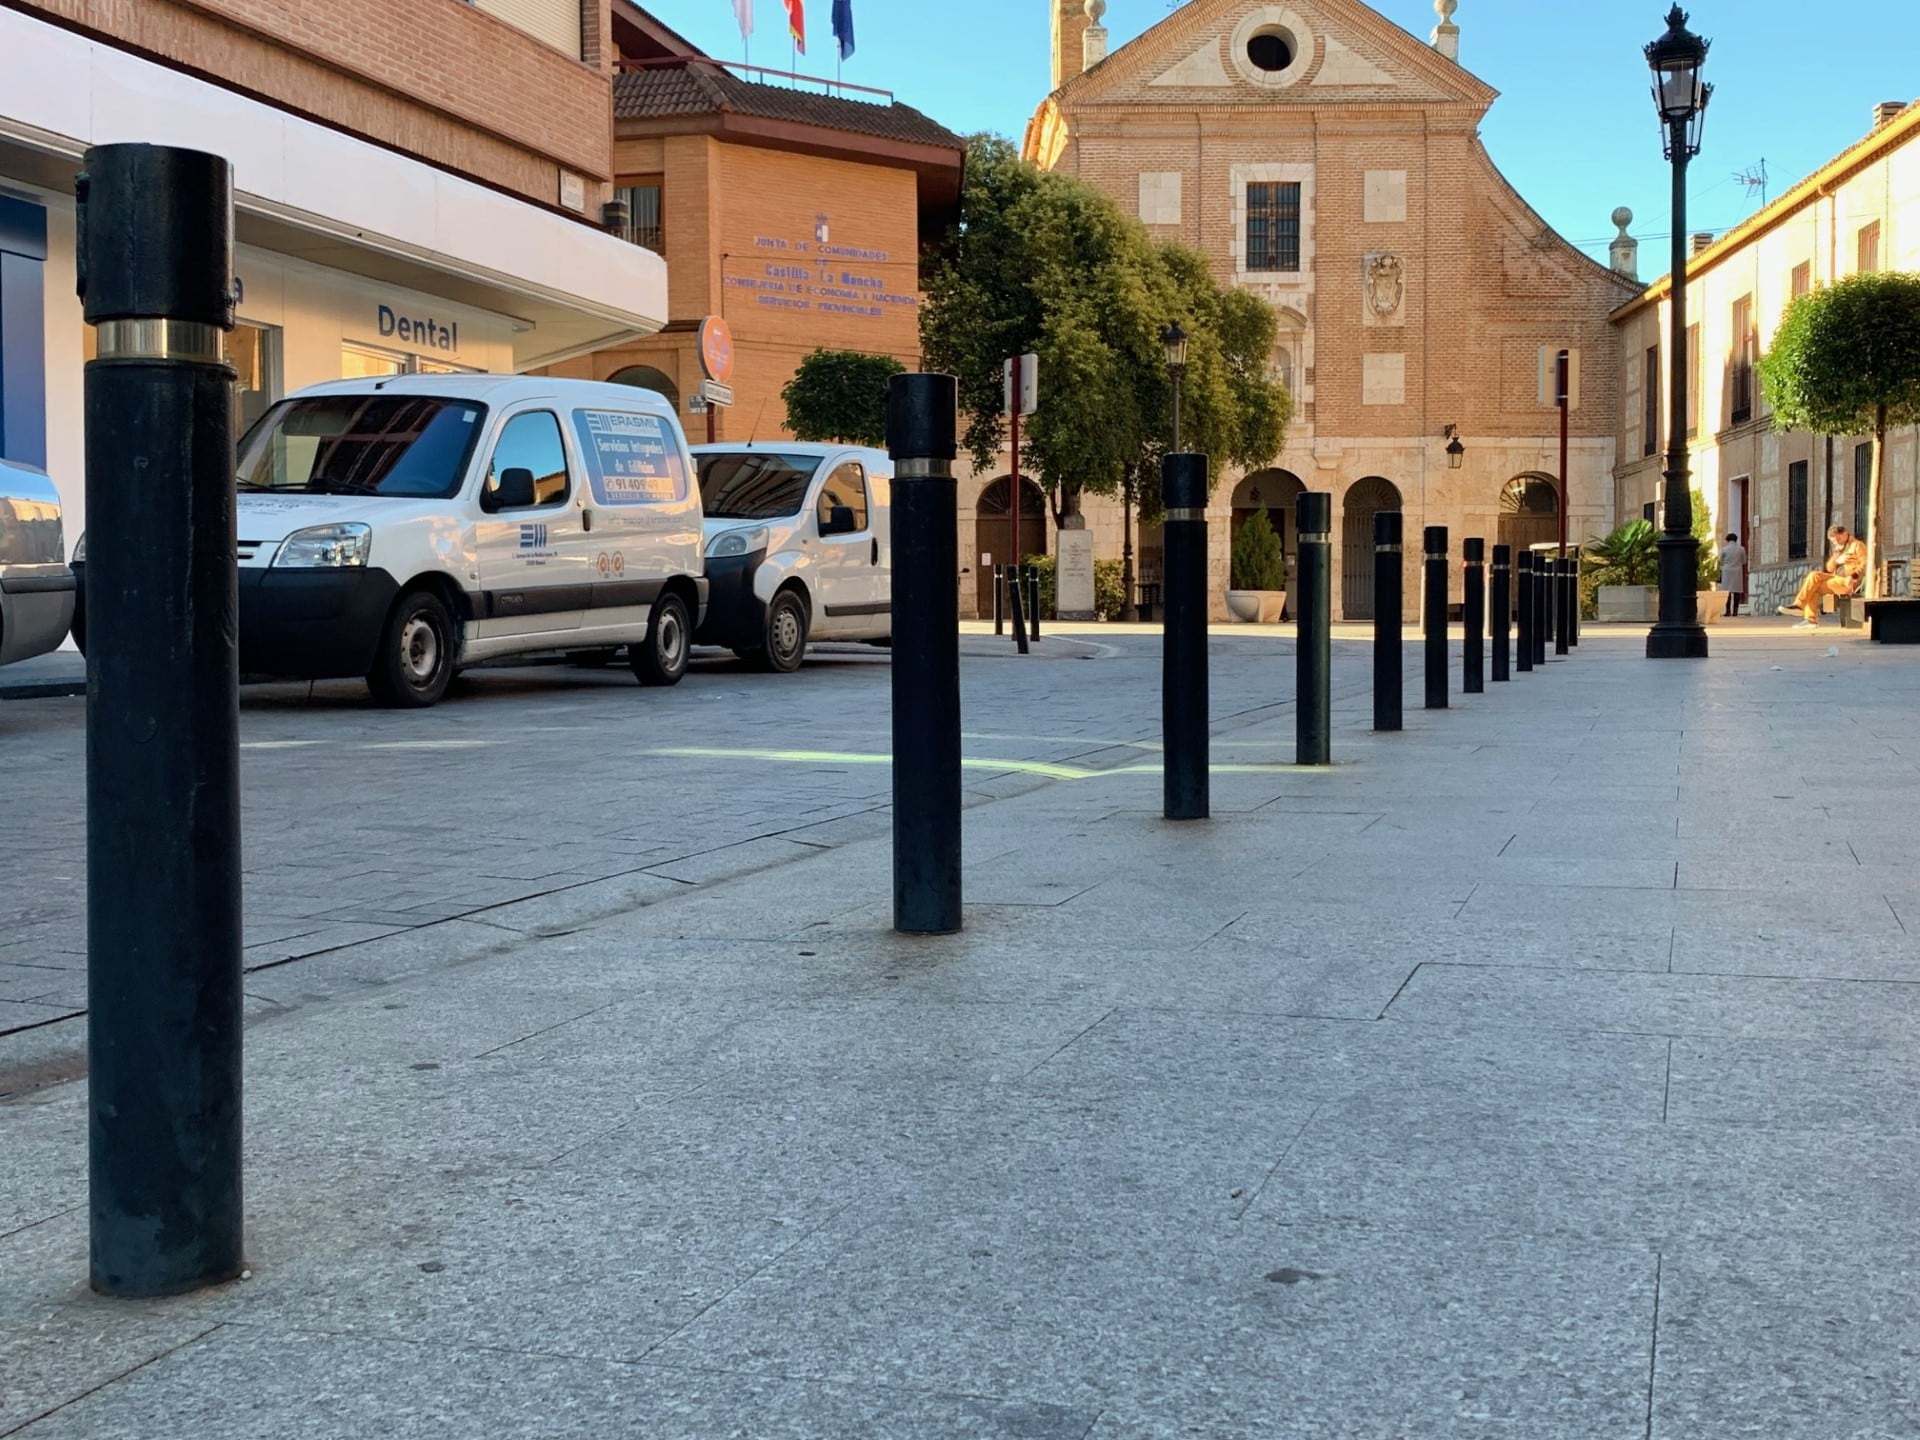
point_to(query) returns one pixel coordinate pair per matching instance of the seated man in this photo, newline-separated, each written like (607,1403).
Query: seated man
(1841,575)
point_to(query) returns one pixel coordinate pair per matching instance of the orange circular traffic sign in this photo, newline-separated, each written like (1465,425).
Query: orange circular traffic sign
(716,348)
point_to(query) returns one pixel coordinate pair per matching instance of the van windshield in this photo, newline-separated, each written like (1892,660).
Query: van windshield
(415,446)
(754,484)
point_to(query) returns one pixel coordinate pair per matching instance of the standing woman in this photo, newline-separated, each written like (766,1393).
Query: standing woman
(1733,572)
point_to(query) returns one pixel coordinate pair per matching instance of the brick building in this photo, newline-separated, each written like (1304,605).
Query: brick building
(418,187)
(796,216)
(1780,490)
(1329,162)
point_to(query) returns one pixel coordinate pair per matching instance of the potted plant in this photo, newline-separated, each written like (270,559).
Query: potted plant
(1627,567)
(1713,600)
(1257,591)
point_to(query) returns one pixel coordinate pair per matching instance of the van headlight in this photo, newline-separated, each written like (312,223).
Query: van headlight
(738,542)
(326,547)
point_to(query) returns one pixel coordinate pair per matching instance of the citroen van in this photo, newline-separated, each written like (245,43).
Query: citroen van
(36,587)
(799,548)
(399,529)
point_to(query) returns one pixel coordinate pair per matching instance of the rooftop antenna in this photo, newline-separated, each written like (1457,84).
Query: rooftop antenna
(1754,177)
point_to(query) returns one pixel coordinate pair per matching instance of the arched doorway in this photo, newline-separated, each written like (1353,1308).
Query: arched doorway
(1529,512)
(993,531)
(1365,499)
(645,377)
(1278,491)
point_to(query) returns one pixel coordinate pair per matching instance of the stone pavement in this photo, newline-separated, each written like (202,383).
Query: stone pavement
(1547,1070)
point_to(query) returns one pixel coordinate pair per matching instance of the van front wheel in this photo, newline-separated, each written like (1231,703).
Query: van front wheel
(661,659)
(414,664)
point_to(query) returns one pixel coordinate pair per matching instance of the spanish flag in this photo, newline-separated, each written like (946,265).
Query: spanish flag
(797,24)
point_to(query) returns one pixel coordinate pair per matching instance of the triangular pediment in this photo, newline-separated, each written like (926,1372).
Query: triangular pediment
(1333,49)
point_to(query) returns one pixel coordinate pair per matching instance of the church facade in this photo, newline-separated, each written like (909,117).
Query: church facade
(1329,162)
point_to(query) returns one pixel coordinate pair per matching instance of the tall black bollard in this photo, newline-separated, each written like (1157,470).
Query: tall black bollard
(1562,619)
(921,427)
(1017,608)
(999,602)
(163,722)
(1033,602)
(1502,602)
(1434,616)
(1523,608)
(1573,632)
(1313,650)
(1389,581)
(1542,613)
(1183,651)
(1473,611)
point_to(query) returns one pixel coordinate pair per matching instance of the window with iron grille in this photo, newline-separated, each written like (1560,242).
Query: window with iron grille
(1869,248)
(1802,279)
(644,216)
(1693,380)
(1742,369)
(1650,404)
(1797,510)
(1273,226)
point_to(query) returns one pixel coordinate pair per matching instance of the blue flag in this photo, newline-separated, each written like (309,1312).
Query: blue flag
(843,26)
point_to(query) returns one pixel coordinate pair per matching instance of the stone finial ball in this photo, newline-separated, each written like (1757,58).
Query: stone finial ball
(1444,9)
(1623,217)
(1096,9)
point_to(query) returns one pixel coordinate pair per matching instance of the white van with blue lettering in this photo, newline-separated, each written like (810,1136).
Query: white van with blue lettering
(399,529)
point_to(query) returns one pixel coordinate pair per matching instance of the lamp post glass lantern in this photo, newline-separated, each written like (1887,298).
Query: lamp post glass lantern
(1175,339)
(1676,60)
(1456,452)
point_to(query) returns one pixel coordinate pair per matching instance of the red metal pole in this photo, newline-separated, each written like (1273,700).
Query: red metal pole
(1013,405)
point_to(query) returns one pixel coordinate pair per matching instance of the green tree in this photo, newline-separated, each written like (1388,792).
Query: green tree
(1257,561)
(1043,263)
(1846,361)
(840,396)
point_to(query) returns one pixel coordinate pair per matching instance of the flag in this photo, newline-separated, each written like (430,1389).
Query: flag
(797,24)
(743,12)
(843,27)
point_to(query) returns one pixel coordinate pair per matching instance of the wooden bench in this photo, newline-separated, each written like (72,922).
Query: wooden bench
(1893,622)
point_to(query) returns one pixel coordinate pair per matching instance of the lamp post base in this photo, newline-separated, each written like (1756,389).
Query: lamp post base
(1678,633)
(1677,642)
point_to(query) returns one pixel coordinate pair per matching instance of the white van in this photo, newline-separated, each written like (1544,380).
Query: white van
(799,548)
(36,588)
(399,529)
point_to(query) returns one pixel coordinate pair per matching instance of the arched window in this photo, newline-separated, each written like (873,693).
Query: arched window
(1530,495)
(645,377)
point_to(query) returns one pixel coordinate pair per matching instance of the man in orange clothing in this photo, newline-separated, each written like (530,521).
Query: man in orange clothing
(1841,575)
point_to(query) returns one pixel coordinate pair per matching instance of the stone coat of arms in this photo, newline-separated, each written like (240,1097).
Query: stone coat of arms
(1386,284)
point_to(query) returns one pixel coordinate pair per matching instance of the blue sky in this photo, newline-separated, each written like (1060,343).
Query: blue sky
(1573,127)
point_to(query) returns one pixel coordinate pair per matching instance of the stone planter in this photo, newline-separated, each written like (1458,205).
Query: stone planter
(1256,607)
(1713,605)
(1627,604)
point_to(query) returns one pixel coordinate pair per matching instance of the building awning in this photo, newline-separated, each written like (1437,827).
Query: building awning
(304,190)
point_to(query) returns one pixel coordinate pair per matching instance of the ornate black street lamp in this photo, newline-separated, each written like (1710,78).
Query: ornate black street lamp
(1676,59)
(1175,339)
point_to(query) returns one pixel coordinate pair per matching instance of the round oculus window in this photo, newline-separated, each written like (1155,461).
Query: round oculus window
(1272,49)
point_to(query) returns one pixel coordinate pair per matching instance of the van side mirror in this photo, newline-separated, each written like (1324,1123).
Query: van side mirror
(511,489)
(839,521)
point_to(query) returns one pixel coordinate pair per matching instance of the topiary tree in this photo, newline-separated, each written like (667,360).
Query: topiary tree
(840,396)
(1258,562)
(1846,361)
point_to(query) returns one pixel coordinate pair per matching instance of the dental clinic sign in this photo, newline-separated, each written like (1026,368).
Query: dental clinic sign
(419,332)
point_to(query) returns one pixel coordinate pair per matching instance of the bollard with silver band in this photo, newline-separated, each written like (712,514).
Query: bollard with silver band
(155,271)
(1389,684)
(1183,650)
(1542,631)
(1523,608)
(1473,614)
(1501,602)
(1313,649)
(922,429)
(1434,615)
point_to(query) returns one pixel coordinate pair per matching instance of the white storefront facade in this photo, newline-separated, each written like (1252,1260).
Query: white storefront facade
(351,259)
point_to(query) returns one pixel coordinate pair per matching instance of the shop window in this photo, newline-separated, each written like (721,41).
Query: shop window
(363,362)
(1797,510)
(1273,226)
(254,351)
(645,215)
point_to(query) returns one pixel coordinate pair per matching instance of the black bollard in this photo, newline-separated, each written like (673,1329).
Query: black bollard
(1183,651)
(1313,648)
(922,418)
(1502,603)
(1434,616)
(999,602)
(1033,602)
(1017,609)
(1542,615)
(1573,617)
(1389,580)
(1473,612)
(1523,607)
(1562,621)
(163,723)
